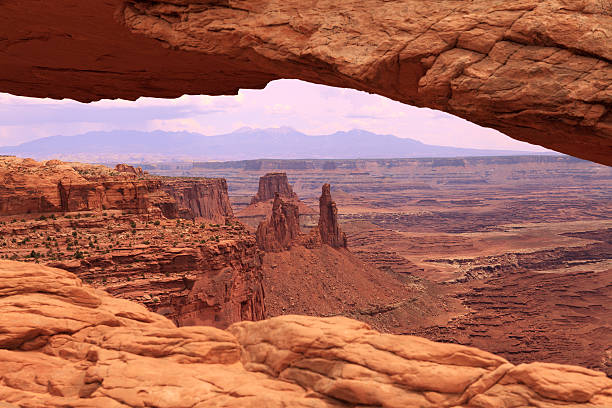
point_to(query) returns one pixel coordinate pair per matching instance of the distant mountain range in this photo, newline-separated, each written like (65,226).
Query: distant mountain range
(243,144)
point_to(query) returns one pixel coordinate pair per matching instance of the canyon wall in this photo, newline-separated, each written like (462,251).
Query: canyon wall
(82,347)
(192,273)
(112,228)
(212,284)
(200,198)
(523,67)
(31,187)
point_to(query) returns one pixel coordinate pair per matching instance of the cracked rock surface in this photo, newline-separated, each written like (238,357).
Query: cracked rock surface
(65,344)
(539,71)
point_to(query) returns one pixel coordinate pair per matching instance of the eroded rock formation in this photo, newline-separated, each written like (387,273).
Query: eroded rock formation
(126,168)
(80,347)
(31,187)
(524,68)
(200,198)
(272,184)
(281,228)
(193,273)
(115,237)
(263,201)
(328,227)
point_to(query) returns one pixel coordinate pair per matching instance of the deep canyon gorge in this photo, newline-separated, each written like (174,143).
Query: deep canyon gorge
(433,282)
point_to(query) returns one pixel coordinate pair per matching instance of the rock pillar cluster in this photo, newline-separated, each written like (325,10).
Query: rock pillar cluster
(281,228)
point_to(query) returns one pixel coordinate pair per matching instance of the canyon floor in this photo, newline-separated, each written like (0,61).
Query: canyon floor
(520,246)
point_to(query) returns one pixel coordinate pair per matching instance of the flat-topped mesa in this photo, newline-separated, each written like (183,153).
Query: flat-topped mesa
(281,228)
(273,183)
(328,228)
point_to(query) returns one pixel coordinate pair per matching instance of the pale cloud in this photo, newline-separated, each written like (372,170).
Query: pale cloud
(309,108)
(180,125)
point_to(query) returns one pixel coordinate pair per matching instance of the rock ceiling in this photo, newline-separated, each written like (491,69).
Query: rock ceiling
(539,71)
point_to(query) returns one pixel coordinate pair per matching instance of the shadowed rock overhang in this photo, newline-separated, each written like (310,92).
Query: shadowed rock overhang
(539,71)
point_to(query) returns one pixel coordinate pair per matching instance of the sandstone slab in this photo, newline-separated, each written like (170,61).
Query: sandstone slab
(83,348)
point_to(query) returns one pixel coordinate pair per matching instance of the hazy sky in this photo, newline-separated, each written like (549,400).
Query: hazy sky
(309,108)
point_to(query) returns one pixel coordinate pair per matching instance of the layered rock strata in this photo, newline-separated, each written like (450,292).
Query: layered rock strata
(63,343)
(30,187)
(272,184)
(328,227)
(111,227)
(200,198)
(523,68)
(263,201)
(281,228)
(193,273)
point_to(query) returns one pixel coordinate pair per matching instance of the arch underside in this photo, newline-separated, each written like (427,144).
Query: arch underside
(538,71)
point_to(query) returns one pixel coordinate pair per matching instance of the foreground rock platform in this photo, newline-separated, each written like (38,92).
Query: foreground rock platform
(63,343)
(524,67)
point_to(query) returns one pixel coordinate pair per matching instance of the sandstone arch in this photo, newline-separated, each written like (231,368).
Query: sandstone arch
(539,71)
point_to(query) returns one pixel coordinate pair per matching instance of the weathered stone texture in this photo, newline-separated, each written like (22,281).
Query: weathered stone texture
(65,344)
(538,71)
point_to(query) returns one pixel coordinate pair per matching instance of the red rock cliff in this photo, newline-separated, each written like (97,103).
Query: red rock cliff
(281,228)
(192,273)
(273,183)
(30,187)
(27,186)
(200,198)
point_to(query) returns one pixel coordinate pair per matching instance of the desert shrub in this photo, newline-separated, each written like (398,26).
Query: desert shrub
(78,254)
(157,222)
